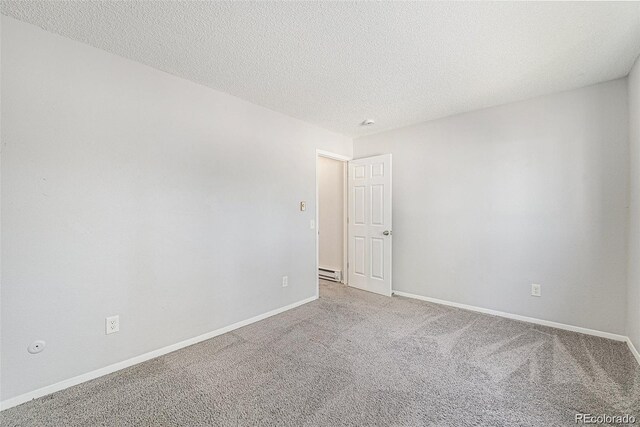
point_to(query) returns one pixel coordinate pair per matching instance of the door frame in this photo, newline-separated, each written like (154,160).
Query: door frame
(345,211)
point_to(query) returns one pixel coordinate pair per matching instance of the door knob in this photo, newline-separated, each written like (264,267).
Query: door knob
(386,233)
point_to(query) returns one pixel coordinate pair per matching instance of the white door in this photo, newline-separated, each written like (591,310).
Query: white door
(370,224)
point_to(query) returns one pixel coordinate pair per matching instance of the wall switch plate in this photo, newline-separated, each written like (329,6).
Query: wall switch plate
(303,206)
(535,290)
(112,324)
(285,281)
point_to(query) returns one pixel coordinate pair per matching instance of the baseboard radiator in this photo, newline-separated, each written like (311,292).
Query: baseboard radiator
(329,274)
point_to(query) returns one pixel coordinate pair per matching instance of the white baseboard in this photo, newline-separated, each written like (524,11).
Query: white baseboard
(633,349)
(518,317)
(14,401)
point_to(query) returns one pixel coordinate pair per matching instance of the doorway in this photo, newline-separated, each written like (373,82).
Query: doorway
(353,219)
(331,176)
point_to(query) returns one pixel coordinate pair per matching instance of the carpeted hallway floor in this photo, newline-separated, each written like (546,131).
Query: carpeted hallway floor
(354,358)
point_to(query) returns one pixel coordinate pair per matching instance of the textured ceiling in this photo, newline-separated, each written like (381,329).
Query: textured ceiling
(337,63)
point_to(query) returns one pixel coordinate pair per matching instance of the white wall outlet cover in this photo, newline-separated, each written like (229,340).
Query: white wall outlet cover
(112,324)
(285,281)
(536,290)
(36,347)
(303,206)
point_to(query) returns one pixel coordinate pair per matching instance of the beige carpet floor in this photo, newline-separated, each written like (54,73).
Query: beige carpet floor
(351,359)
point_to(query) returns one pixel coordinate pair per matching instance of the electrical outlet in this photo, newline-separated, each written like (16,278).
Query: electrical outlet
(285,281)
(535,290)
(112,324)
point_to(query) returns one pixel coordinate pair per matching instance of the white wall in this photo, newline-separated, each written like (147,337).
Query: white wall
(489,202)
(128,191)
(331,212)
(633,307)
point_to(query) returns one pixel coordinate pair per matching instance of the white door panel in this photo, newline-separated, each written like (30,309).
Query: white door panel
(370,224)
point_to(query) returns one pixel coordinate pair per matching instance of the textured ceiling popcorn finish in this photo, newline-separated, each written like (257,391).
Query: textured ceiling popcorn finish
(336,63)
